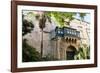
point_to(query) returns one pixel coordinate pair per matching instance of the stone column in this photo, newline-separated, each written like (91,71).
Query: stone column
(58,48)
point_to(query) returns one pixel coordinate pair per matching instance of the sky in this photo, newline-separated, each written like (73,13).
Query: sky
(87,18)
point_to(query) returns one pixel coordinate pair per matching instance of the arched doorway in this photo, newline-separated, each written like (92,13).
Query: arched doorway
(70,53)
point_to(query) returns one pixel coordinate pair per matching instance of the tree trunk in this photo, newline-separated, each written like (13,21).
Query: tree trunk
(42,43)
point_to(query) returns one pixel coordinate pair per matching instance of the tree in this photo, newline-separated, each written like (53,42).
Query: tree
(62,17)
(83,53)
(29,53)
(27,26)
(42,22)
(82,15)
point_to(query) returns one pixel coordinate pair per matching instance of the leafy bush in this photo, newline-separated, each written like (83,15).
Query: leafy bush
(29,53)
(83,53)
(27,27)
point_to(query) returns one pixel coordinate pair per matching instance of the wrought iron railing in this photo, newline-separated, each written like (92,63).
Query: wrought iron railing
(65,31)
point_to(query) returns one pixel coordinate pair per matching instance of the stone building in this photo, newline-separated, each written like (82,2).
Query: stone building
(60,43)
(84,28)
(67,42)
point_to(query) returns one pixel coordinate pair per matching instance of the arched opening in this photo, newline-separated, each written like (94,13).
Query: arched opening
(72,40)
(69,40)
(75,41)
(70,53)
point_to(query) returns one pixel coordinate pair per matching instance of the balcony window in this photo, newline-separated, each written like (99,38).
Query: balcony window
(58,32)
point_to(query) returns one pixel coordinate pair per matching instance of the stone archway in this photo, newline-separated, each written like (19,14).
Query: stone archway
(70,52)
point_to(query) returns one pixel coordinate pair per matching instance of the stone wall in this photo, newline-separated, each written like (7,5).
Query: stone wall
(56,47)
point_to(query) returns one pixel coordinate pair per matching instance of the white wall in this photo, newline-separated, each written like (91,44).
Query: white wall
(5,41)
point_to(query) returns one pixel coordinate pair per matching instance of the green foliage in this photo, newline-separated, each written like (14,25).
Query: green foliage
(61,16)
(88,52)
(29,54)
(30,14)
(27,27)
(83,53)
(42,21)
(82,15)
